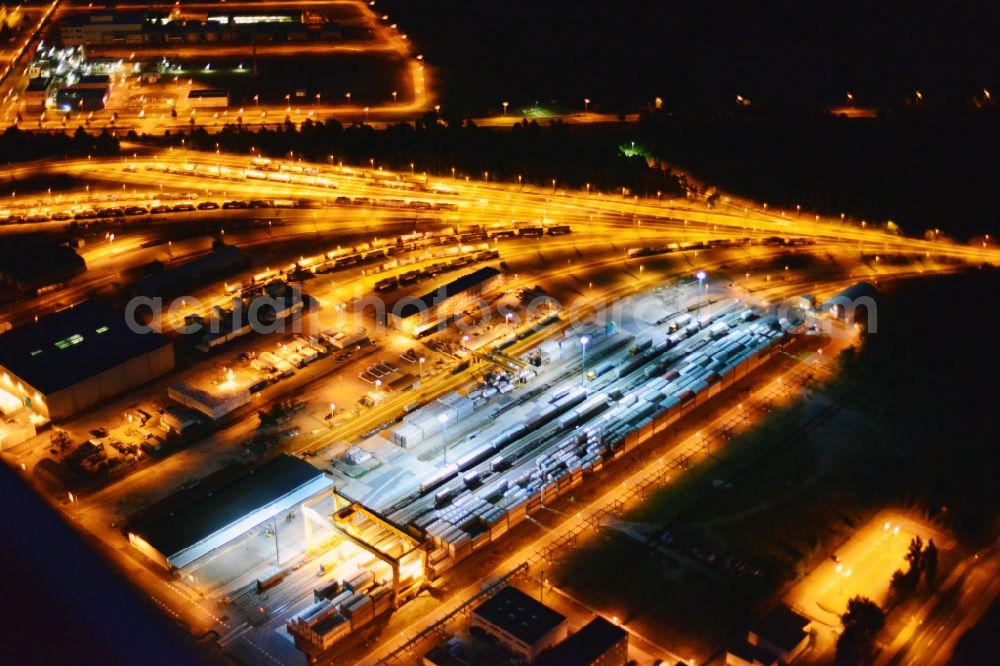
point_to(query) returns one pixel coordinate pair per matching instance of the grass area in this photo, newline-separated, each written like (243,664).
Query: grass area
(725,509)
(369,77)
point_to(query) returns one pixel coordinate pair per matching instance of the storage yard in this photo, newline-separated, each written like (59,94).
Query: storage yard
(567,423)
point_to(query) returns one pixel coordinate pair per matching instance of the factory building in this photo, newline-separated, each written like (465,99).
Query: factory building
(180,536)
(416,315)
(98,81)
(102,29)
(78,357)
(213,403)
(519,623)
(598,643)
(82,98)
(38,92)
(856,305)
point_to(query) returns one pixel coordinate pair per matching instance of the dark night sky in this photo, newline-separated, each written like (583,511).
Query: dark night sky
(703,53)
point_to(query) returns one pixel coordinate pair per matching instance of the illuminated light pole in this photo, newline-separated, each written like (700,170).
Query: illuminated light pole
(348,96)
(586,104)
(394,93)
(378,387)
(421,360)
(844,575)
(584,340)
(701,275)
(505,105)
(443,418)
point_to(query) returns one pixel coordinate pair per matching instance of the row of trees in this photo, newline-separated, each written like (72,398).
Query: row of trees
(532,153)
(864,619)
(922,562)
(17,145)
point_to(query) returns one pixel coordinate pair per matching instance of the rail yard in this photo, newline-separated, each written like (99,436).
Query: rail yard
(560,332)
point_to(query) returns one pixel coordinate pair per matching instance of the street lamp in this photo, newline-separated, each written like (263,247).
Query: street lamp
(378,386)
(584,340)
(505,105)
(701,275)
(844,575)
(348,96)
(421,360)
(443,418)
(394,93)
(586,104)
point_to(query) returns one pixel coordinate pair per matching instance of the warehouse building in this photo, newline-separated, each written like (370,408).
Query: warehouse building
(519,623)
(184,535)
(33,268)
(598,643)
(38,92)
(78,357)
(214,402)
(416,315)
(856,305)
(777,638)
(106,28)
(208,98)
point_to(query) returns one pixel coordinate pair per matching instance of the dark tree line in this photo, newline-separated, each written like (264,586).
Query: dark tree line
(922,169)
(928,388)
(573,156)
(862,623)
(17,145)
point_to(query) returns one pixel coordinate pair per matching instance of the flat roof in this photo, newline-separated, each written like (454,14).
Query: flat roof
(438,656)
(519,615)
(75,91)
(39,83)
(446,291)
(207,92)
(105,18)
(585,646)
(69,346)
(751,653)
(229,505)
(782,627)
